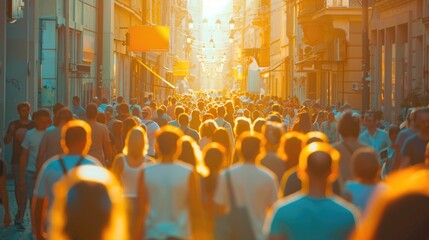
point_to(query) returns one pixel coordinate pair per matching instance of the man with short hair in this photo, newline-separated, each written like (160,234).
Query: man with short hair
(348,128)
(221,122)
(160,120)
(51,141)
(30,147)
(75,142)
(177,111)
(101,148)
(15,134)
(413,151)
(184,126)
(315,212)
(76,108)
(254,187)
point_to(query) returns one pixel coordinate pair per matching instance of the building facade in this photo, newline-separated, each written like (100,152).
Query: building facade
(399,55)
(331,51)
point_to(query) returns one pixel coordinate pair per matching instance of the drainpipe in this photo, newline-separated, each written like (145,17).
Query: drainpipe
(66,51)
(99,78)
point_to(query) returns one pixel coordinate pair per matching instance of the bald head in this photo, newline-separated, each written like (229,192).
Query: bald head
(319,165)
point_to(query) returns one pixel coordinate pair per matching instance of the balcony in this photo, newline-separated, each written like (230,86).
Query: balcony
(307,8)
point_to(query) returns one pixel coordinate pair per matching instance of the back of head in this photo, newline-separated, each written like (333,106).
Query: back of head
(242,124)
(178,110)
(220,111)
(221,136)
(272,132)
(87,211)
(123,108)
(76,134)
(214,156)
(64,115)
(365,164)
(249,146)
(128,124)
(291,146)
(160,112)
(88,205)
(349,125)
(167,141)
(91,111)
(314,136)
(136,143)
(258,124)
(57,107)
(318,161)
(207,128)
(183,120)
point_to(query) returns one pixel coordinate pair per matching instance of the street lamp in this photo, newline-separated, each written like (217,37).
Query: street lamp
(191,23)
(231,24)
(218,23)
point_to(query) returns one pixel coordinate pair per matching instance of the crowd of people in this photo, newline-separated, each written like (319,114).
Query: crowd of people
(209,165)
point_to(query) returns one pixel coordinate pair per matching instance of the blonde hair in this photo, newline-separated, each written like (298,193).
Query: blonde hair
(116,227)
(136,143)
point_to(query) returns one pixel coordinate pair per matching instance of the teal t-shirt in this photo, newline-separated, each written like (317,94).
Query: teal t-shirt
(301,217)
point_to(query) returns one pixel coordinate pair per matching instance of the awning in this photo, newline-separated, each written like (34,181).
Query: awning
(266,71)
(154,73)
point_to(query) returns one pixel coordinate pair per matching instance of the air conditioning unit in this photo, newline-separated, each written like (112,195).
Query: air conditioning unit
(356,86)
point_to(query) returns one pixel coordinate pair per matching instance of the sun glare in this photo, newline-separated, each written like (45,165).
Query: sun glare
(213,9)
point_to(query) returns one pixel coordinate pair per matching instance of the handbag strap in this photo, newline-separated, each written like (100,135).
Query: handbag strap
(230,191)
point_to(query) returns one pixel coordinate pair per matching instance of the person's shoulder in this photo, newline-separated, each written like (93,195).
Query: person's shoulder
(93,160)
(289,202)
(344,207)
(266,172)
(184,165)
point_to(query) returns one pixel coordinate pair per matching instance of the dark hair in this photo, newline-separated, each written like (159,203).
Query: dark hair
(365,163)
(123,108)
(75,136)
(179,110)
(183,119)
(319,164)
(250,147)
(241,125)
(406,217)
(101,118)
(221,136)
(188,153)
(272,133)
(128,123)
(258,124)
(207,128)
(275,108)
(87,210)
(167,140)
(304,123)
(43,112)
(349,125)
(221,111)
(63,115)
(160,112)
(91,111)
(57,107)
(292,147)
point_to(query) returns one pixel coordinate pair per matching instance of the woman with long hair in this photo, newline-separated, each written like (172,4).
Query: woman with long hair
(128,164)
(190,151)
(207,129)
(303,123)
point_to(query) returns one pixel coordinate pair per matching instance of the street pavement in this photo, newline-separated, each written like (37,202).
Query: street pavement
(12,233)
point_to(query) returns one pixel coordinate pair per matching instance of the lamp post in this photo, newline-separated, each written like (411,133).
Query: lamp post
(365,57)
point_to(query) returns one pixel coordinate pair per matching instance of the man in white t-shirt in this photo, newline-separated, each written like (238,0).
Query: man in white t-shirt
(314,212)
(76,142)
(30,148)
(254,187)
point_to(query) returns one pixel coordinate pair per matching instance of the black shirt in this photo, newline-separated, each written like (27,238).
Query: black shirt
(16,147)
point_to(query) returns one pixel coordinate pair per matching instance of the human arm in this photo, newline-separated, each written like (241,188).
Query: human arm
(107,148)
(41,154)
(142,208)
(22,166)
(198,220)
(3,195)
(10,133)
(117,166)
(38,216)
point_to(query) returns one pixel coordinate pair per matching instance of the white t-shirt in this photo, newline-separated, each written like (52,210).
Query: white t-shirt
(167,186)
(254,187)
(52,171)
(31,142)
(151,128)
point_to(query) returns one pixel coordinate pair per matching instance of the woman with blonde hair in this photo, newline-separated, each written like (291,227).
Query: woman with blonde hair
(88,205)
(128,164)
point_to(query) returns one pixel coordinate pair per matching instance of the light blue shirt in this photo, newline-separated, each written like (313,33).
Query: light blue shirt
(378,141)
(302,217)
(360,193)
